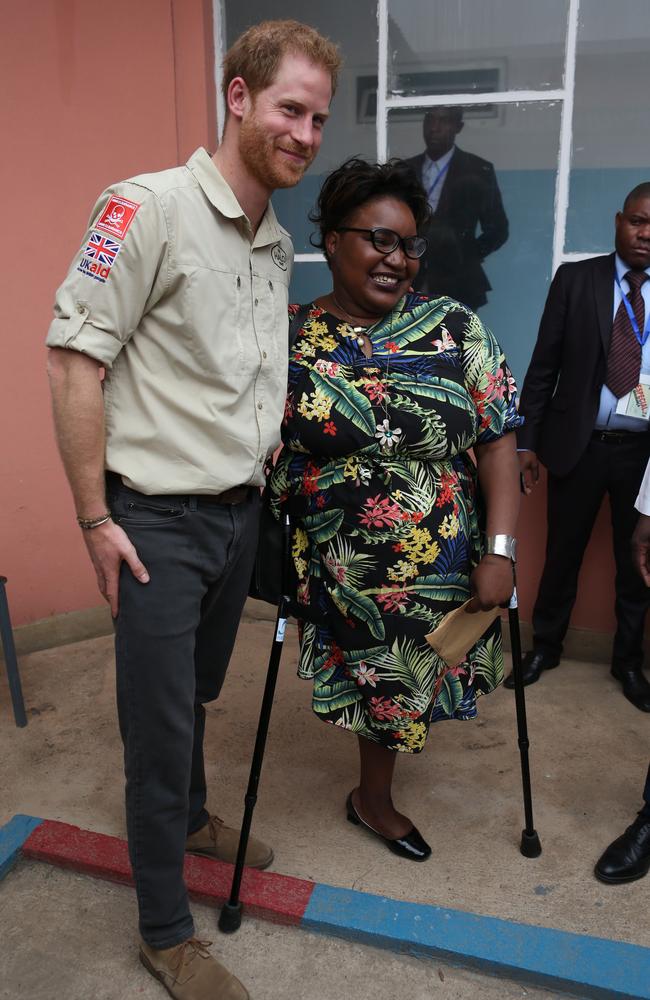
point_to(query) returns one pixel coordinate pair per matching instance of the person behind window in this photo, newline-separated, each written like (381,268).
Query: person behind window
(387,392)
(468,221)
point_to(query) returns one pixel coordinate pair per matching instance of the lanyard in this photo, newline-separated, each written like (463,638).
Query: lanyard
(441,174)
(632,317)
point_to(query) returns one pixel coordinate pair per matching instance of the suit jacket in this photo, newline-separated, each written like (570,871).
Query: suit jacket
(561,391)
(470,198)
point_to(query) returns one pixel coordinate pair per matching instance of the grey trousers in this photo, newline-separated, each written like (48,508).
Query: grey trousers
(173,640)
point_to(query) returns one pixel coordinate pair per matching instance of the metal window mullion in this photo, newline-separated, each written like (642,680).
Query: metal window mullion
(494,97)
(309,258)
(219,40)
(567,258)
(566,135)
(382,81)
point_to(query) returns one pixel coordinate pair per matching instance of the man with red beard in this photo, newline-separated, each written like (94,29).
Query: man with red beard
(179,292)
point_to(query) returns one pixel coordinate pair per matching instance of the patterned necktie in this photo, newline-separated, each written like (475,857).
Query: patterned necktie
(624,358)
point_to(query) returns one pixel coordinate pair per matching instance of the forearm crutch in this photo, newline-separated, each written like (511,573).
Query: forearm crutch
(530,843)
(231,912)
(11,663)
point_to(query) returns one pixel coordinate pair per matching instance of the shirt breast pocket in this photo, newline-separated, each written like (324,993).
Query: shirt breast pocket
(217,324)
(271,302)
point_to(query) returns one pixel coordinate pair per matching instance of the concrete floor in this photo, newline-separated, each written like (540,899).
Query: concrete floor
(85,949)
(589,754)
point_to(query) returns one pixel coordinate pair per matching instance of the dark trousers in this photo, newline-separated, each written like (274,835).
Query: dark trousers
(607,467)
(173,640)
(645,811)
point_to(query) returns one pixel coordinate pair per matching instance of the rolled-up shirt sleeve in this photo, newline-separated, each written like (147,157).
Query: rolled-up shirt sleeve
(113,279)
(642,503)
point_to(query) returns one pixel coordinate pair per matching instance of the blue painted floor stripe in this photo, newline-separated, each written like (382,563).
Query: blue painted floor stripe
(574,963)
(595,967)
(12,837)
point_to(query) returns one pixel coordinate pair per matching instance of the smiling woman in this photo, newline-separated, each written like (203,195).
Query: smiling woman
(387,392)
(372,264)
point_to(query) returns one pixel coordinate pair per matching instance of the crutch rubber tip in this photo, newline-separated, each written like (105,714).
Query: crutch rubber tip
(230,918)
(530,844)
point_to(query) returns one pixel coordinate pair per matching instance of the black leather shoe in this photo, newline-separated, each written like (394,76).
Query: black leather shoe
(412,846)
(628,858)
(532,665)
(635,687)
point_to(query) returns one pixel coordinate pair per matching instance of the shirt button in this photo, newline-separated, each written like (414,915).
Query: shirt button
(259,406)
(264,355)
(256,301)
(80,308)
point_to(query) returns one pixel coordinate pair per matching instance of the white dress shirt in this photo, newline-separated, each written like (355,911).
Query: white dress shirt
(432,181)
(642,502)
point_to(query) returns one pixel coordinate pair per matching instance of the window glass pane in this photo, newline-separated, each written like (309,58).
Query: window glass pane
(354,27)
(309,281)
(611,123)
(477,46)
(491,236)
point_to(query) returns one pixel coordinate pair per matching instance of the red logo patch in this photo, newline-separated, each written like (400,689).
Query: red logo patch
(117,217)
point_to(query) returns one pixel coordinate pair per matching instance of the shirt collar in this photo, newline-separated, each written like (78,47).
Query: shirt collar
(220,194)
(441,163)
(269,230)
(622,268)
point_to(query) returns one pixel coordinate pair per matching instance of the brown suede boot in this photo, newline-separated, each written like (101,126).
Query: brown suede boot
(189,972)
(220,842)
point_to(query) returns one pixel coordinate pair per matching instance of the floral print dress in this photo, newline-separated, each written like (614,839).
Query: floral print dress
(376,474)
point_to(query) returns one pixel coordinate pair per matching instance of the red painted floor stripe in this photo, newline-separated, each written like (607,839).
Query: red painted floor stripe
(279,898)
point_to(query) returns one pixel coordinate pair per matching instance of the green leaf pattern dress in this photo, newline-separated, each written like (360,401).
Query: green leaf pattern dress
(376,474)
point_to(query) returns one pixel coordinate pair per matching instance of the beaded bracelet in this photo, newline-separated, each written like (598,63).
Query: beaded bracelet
(86,523)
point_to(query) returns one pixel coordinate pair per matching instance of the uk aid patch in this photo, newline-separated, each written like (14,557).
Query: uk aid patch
(98,256)
(117,216)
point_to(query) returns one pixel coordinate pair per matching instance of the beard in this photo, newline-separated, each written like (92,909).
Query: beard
(261,156)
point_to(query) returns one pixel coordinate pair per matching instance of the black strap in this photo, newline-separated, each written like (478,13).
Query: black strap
(295,325)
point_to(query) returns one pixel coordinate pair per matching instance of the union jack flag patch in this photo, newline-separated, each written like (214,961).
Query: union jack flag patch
(101,249)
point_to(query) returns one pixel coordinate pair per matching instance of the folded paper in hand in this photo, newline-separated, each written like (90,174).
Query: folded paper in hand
(458,631)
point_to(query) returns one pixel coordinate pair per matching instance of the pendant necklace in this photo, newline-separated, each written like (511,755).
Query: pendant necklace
(360,331)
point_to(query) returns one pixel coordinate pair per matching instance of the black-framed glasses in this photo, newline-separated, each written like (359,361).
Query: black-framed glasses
(387,240)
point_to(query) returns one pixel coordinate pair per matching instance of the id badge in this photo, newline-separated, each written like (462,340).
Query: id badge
(636,404)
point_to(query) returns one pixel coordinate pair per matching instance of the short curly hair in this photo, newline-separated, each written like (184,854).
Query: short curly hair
(356,182)
(256,55)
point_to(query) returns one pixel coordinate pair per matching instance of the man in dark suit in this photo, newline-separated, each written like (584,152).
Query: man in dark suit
(628,857)
(585,401)
(463,195)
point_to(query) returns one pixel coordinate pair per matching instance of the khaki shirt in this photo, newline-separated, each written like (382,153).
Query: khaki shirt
(187,311)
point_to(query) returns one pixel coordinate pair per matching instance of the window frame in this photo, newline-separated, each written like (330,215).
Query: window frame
(386,103)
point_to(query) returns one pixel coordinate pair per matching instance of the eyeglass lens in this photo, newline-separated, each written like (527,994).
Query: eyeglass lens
(386,240)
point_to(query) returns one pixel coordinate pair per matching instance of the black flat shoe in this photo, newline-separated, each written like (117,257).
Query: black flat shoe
(532,666)
(412,846)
